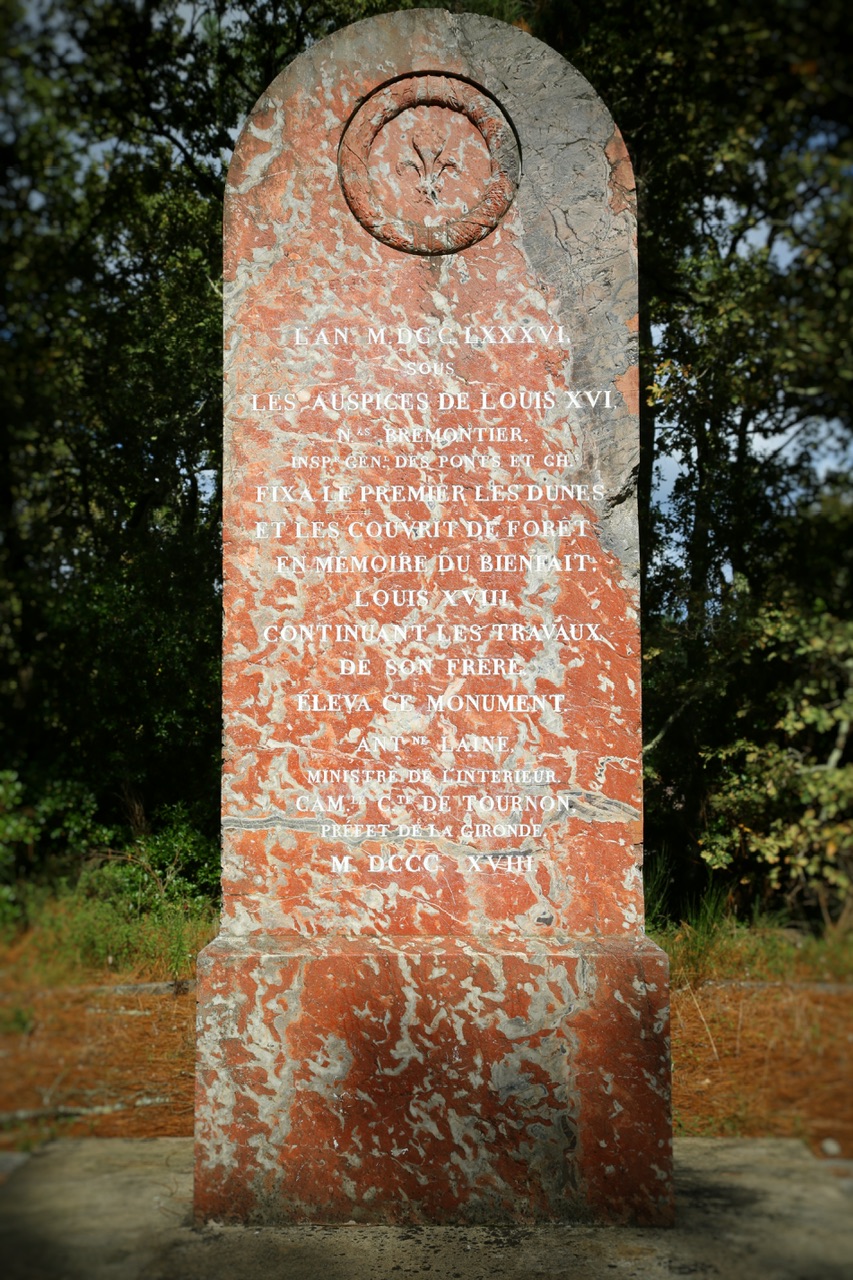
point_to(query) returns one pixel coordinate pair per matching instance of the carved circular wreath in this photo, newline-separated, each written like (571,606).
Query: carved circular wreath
(429,164)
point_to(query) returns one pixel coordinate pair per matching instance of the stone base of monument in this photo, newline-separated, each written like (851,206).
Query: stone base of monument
(412,1080)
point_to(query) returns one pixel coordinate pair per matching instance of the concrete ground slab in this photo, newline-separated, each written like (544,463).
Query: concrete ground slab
(119,1209)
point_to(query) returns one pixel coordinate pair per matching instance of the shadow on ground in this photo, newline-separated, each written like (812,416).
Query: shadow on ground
(119,1209)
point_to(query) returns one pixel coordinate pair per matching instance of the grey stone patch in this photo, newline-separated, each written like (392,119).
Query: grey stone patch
(119,1209)
(843,1172)
(180,986)
(10,1161)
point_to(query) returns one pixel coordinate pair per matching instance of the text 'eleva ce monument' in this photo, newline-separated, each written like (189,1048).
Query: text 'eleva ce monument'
(431,999)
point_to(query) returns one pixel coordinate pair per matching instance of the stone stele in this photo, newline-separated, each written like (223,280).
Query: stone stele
(431,999)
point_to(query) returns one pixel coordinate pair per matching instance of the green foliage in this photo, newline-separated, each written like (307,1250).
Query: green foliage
(658,877)
(119,119)
(74,934)
(177,865)
(90,901)
(695,943)
(16,1020)
(738,123)
(17,827)
(149,906)
(57,825)
(109,538)
(755,755)
(780,799)
(711,944)
(62,817)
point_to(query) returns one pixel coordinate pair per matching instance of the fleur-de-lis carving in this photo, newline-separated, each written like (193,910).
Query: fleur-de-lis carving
(430,166)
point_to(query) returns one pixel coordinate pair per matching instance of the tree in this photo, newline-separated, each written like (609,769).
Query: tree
(120,118)
(738,123)
(111,434)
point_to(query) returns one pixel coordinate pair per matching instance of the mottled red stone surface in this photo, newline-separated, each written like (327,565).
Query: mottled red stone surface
(432,1080)
(431,999)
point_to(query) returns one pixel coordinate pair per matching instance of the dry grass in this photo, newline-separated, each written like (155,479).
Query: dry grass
(95,1061)
(768,1061)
